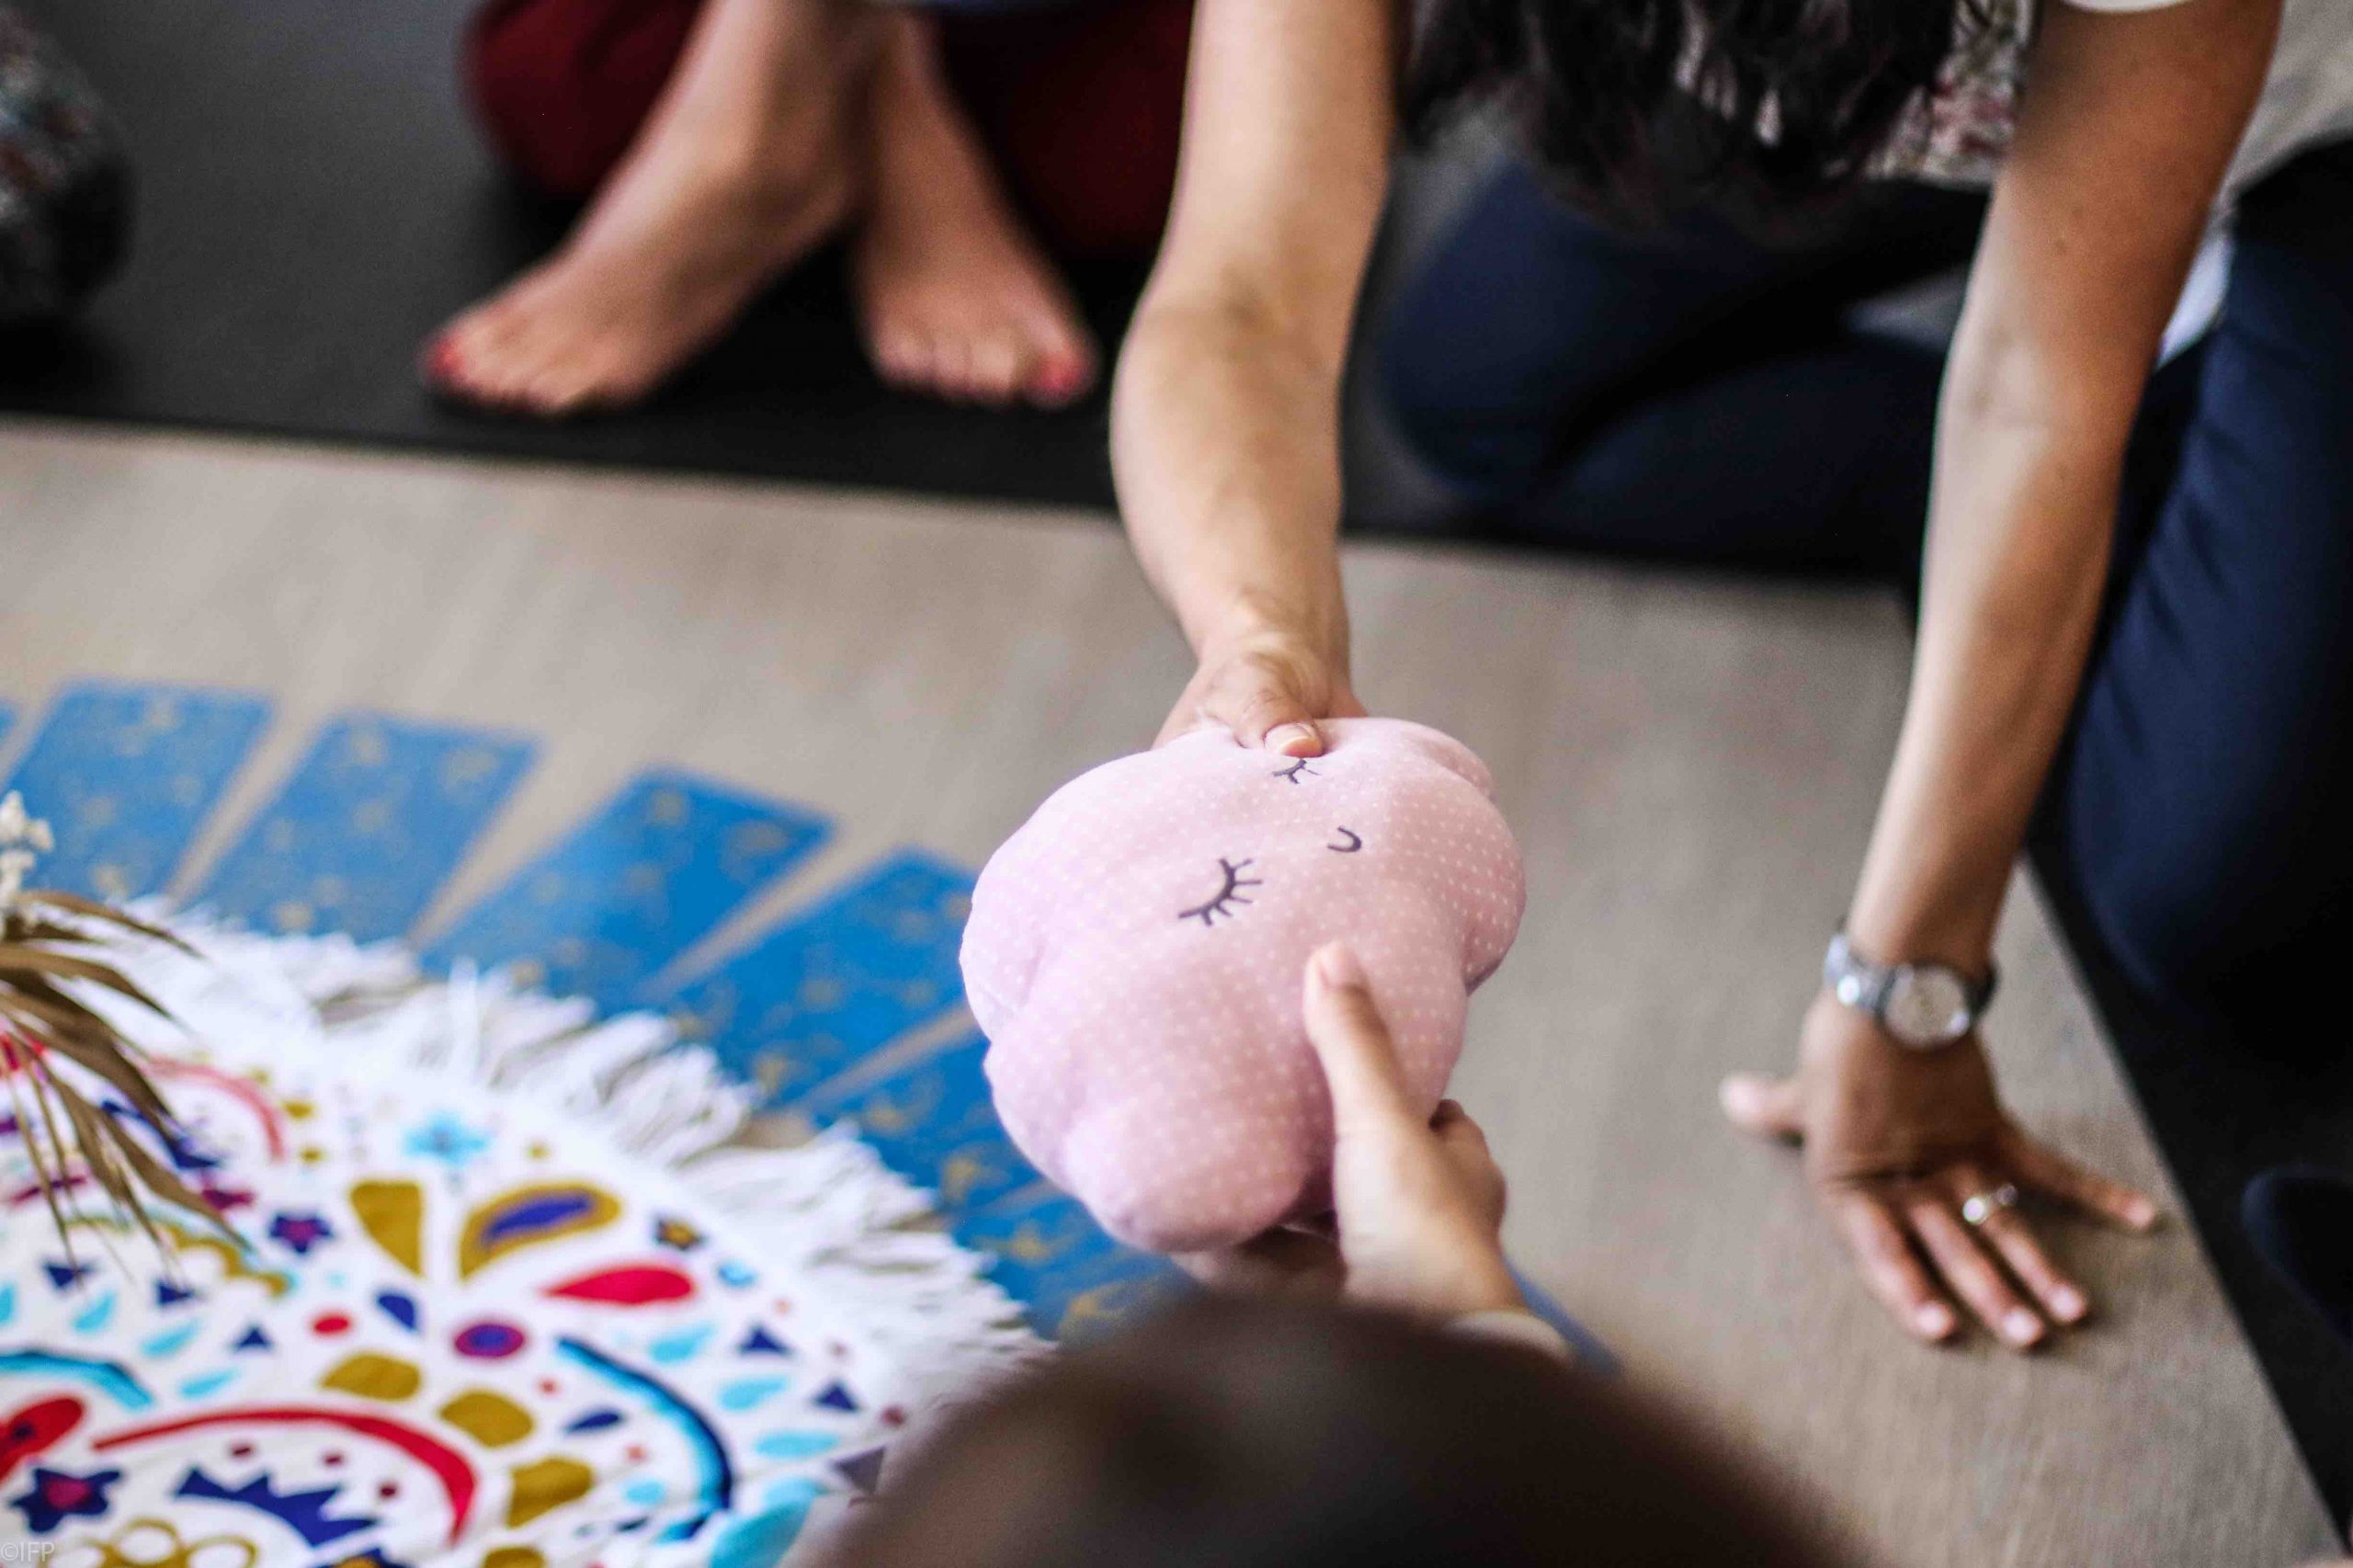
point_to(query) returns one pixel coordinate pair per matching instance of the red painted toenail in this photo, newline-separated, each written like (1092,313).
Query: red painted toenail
(1060,379)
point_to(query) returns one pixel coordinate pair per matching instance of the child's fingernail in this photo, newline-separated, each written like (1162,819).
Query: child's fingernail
(1935,1320)
(1284,736)
(2069,1303)
(2141,1214)
(2021,1326)
(1337,967)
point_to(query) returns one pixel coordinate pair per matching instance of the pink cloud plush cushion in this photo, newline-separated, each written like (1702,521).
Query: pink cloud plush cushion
(1135,955)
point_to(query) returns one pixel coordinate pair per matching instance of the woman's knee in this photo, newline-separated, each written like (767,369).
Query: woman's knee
(2215,847)
(562,86)
(2232,963)
(1482,355)
(2208,796)
(1445,403)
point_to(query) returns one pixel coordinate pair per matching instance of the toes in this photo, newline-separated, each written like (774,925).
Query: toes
(490,329)
(981,342)
(951,367)
(503,379)
(578,376)
(555,392)
(903,355)
(1064,366)
(541,363)
(922,371)
(997,365)
(476,357)
(438,363)
(894,354)
(451,360)
(1060,380)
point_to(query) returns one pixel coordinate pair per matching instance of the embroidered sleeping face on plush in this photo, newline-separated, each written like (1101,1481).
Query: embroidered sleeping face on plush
(1136,953)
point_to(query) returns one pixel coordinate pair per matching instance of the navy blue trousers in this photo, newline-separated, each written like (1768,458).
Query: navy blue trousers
(1693,394)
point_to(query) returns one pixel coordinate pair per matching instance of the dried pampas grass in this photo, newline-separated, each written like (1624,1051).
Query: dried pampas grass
(54,1050)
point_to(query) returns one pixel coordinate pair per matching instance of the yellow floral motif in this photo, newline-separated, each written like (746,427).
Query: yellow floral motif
(488,1418)
(372,1376)
(482,1242)
(393,1214)
(154,1543)
(549,1484)
(513,1557)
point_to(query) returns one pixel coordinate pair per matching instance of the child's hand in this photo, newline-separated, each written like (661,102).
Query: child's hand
(1419,1205)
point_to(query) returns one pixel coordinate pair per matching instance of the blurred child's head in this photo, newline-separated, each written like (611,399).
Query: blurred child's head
(1227,1434)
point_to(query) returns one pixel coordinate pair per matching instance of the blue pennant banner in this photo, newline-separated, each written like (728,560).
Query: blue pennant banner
(934,1124)
(126,775)
(870,961)
(374,819)
(1074,1280)
(633,886)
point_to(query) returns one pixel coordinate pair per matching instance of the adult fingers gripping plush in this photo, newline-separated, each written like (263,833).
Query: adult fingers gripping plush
(1135,956)
(1272,691)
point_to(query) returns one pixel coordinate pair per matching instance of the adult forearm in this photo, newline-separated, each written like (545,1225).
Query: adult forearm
(1225,448)
(2021,531)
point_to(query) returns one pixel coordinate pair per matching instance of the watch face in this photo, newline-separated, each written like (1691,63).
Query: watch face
(1928,1006)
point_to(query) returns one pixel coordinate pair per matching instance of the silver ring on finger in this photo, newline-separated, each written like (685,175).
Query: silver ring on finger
(1979,1207)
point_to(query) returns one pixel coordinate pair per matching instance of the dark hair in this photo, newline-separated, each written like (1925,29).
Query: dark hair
(1253,1434)
(1633,105)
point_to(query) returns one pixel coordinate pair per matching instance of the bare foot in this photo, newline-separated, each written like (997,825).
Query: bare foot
(957,297)
(738,173)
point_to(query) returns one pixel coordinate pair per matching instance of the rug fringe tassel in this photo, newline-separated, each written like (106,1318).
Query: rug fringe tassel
(827,1212)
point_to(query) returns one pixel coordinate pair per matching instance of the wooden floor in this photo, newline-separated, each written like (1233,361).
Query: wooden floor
(1690,766)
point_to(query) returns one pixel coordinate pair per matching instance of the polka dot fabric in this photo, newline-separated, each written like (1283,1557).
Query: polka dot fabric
(1136,955)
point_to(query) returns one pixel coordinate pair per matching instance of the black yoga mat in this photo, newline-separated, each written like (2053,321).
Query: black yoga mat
(2224,1107)
(313,202)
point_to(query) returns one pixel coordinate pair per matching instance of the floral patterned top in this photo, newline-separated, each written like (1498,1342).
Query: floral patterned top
(1962,130)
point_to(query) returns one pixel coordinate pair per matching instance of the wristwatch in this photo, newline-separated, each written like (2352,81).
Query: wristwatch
(1921,1005)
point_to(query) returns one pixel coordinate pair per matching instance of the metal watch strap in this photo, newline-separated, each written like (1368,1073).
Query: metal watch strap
(1865,984)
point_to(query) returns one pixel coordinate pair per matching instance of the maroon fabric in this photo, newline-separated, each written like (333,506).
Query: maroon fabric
(561,85)
(1081,106)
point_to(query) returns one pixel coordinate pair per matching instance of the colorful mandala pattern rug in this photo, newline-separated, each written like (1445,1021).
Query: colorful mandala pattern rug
(509,1296)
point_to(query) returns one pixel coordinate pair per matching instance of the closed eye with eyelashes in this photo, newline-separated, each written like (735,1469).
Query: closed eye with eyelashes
(1227,896)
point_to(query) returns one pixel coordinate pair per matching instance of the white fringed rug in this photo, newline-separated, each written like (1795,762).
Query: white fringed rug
(507,1298)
